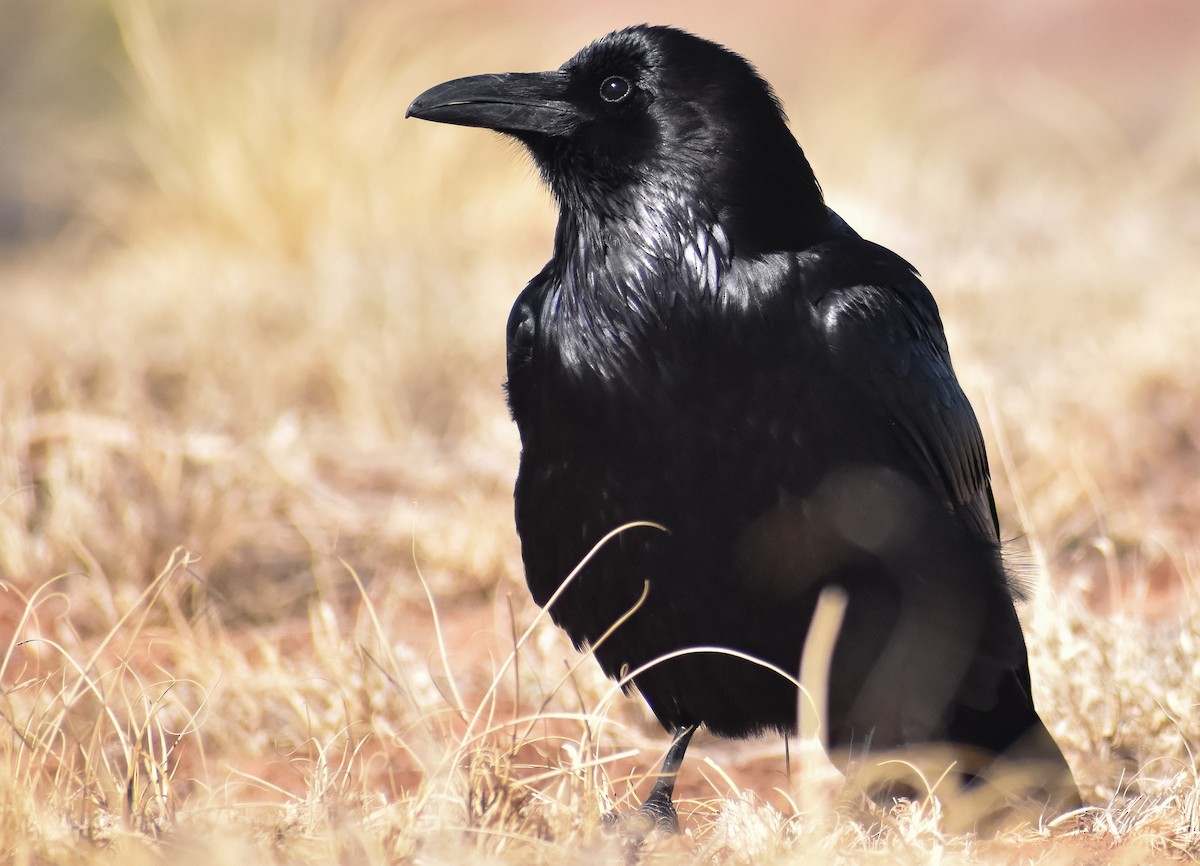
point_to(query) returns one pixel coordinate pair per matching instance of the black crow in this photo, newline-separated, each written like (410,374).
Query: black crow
(713,350)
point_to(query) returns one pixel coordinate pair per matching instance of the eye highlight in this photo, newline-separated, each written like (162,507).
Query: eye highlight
(615,88)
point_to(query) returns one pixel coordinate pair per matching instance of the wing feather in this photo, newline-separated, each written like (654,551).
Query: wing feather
(889,341)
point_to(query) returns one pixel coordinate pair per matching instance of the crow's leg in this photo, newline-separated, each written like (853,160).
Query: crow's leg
(658,805)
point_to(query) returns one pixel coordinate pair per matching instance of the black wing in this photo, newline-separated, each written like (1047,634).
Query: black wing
(886,341)
(889,340)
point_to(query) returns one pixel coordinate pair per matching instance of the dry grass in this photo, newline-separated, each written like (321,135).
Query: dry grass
(251,425)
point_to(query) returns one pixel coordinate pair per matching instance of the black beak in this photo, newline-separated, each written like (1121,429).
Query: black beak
(514,102)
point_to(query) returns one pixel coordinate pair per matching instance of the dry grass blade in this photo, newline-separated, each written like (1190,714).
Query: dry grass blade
(819,779)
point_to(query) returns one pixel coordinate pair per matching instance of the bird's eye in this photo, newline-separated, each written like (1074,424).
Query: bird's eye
(614,88)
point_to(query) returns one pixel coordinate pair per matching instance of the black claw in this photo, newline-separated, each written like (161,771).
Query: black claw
(655,816)
(662,813)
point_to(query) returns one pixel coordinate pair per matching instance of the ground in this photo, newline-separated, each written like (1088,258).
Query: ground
(260,594)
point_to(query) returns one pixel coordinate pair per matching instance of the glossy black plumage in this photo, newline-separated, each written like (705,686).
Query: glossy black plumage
(712,349)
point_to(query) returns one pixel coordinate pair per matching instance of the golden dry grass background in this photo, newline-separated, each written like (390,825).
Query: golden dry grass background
(251,422)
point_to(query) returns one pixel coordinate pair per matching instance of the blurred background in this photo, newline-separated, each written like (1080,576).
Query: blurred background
(247,310)
(217,233)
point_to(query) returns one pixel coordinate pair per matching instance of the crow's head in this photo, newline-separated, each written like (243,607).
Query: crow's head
(650,114)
